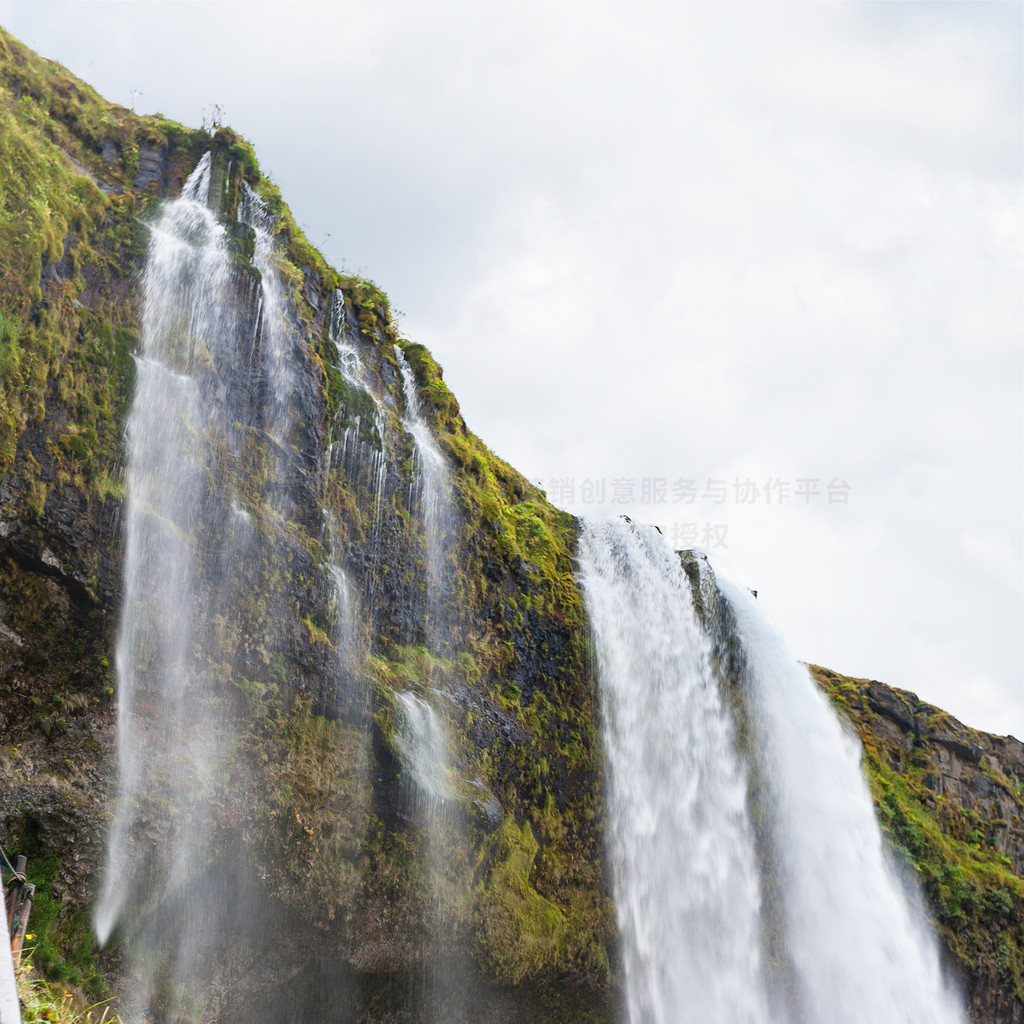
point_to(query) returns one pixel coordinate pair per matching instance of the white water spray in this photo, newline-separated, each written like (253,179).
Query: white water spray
(357,455)
(435,499)
(164,739)
(685,875)
(423,748)
(789,916)
(860,948)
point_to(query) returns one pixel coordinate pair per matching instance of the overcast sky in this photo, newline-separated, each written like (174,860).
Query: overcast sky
(753,269)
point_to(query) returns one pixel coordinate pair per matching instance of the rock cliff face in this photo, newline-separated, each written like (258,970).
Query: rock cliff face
(951,801)
(316,809)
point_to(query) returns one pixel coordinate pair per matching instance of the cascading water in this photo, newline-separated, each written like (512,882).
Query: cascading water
(168,743)
(859,948)
(702,884)
(217,471)
(421,739)
(355,454)
(686,884)
(277,370)
(435,501)
(423,748)
(441,991)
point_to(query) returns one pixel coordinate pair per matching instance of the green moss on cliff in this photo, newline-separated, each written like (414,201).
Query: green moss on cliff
(62,947)
(515,578)
(974,896)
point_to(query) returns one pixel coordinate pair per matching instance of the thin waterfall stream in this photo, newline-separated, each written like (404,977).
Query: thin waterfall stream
(435,503)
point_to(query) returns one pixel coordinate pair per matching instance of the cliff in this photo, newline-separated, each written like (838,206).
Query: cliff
(951,802)
(317,831)
(523,890)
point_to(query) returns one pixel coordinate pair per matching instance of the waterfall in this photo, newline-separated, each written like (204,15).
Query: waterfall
(859,946)
(275,382)
(220,475)
(685,874)
(356,454)
(433,491)
(421,739)
(753,887)
(187,255)
(441,992)
(422,746)
(169,743)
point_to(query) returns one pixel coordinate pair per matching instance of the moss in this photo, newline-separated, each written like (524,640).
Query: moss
(976,900)
(523,935)
(62,946)
(521,930)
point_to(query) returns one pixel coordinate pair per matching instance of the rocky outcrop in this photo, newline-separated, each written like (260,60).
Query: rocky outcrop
(951,801)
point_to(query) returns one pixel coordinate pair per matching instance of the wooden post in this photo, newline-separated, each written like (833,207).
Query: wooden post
(13,886)
(19,905)
(28,893)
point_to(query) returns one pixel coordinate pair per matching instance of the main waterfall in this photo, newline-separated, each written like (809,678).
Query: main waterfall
(681,840)
(750,877)
(170,744)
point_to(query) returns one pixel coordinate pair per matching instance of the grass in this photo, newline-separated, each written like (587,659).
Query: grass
(53,1002)
(976,900)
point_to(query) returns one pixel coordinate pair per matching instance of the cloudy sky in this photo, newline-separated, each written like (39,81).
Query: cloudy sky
(750,271)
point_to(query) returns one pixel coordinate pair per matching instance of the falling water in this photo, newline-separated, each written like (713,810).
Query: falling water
(274,342)
(790,914)
(355,454)
(859,948)
(421,738)
(422,746)
(440,993)
(685,875)
(217,471)
(436,507)
(168,742)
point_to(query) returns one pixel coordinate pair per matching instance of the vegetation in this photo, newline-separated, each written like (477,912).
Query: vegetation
(950,845)
(52,1002)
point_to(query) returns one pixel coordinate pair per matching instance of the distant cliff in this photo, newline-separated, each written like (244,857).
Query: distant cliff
(318,807)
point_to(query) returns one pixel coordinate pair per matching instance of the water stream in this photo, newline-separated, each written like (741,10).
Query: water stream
(750,875)
(686,885)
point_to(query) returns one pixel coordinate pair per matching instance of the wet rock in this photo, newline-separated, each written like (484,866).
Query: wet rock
(311,287)
(152,166)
